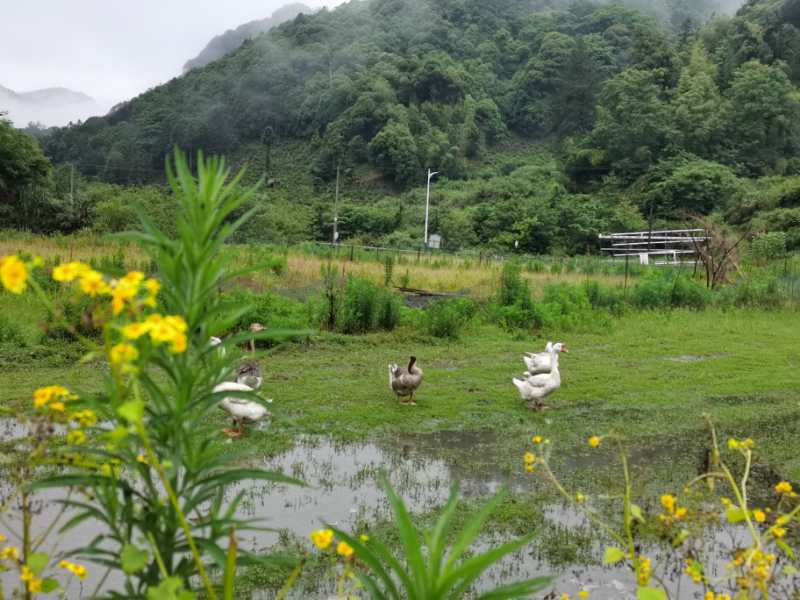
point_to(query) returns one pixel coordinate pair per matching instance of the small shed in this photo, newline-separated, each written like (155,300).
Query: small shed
(435,241)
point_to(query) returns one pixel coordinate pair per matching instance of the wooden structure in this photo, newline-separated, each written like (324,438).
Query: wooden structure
(674,247)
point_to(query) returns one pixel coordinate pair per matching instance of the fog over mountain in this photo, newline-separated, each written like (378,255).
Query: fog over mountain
(233,38)
(49,106)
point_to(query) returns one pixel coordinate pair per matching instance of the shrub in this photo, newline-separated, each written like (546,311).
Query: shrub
(668,289)
(447,318)
(513,288)
(567,308)
(768,246)
(605,297)
(366,307)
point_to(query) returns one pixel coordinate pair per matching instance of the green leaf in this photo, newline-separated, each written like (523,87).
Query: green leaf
(133,559)
(785,547)
(790,570)
(735,515)
(649,593)
(636,513)
(170,589)
(50,585)
(612,556)
(132,411)
(230,568)
(37,562)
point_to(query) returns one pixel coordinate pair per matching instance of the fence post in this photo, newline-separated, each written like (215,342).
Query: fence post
(625,289)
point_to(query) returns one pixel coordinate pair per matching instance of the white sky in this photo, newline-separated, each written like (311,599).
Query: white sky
(113,50)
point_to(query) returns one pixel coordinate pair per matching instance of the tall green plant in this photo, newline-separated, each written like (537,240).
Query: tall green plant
(155,460)
(429,566)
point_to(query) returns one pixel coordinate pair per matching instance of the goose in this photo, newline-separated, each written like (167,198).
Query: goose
(216,342)
(535,388)
(255,328)
(404,382)
(540,362)
(243,411)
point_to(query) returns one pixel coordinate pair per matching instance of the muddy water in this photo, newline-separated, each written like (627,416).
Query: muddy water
(343,491)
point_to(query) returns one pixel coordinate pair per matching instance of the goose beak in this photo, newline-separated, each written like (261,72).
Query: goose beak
(564,349)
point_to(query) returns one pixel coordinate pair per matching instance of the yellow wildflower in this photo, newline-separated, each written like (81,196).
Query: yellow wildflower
(537,439)
(25,573)
(141,458)
(2,538)
(35,586)
(668,501)
(726,502)
(56,406)
(344,549)
(322,538)
(529,458)
(759,515)
(778,532)
(70,271)
(179,344)
(364,537)
(694,570)
(153,286)
(733,444)
(644,570)
(135,330)
(76,437)
(85,418)
(747,444)
(9,553)
(123,354)
(583,594)
(681,513)
(782,520)
(79,571)
(594,441)
(709,595)
(530,468)
(51,393)
(92,284)
(564,596)
(580,498)
(784,487)
(13,274)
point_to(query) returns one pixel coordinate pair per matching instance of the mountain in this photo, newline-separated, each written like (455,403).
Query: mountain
(233,38)
(49,106)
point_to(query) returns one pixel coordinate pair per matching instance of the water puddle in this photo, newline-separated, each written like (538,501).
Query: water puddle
(343,491)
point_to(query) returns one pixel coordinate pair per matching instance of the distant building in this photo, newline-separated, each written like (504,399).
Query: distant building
(435,241)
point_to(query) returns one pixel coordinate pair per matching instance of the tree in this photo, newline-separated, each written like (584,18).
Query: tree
(22,162)
(633,122)
(699,110)
(764,112)
(394,151)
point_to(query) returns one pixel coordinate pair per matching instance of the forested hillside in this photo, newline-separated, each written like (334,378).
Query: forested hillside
(548,120)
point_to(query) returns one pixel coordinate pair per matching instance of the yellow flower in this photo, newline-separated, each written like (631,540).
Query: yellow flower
(135,330)
(583,594)
(694,570)
(178,345)
(726,502)
(76,437)
(668,501)
(123,354)
(709,595)
(56,406)
(784,487)
(747,444)
(594,441)
(344,549)
(92,284)
(681,513)
(64,564)
(644,570)
(733,444)
(529,458)
(142,459)
(35,586)
(153,286)
(85,418)
(26,574)
(778,532)
(78,570)
(171,330)
(322,538)
(759,515)
(537,439)
(9,552)
(51,393)
(13,274)
(70,271)
(530,468)
(580,498)
(364,537)
(2,538)
(564,596)
(782,520)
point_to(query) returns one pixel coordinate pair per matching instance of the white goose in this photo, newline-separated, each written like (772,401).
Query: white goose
(535,388)
(243,411)
(540,362)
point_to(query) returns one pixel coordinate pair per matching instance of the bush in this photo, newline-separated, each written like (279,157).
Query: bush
(605,297)
(768,246)
(366,307)
(11,333)
(668,289)
(447,318)
(513,309)
(567,308)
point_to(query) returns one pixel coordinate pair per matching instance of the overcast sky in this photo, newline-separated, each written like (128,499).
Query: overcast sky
(113,49)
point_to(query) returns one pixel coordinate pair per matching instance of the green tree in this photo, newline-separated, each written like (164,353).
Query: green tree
(764,112)
(22,162)
(633,122)
(699,110)
(394,151)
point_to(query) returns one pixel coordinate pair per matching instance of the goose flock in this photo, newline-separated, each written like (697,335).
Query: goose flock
(541,379)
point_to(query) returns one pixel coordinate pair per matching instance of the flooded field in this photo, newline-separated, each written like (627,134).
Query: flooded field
(342,491)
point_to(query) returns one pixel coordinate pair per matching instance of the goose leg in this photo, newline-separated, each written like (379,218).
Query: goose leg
(234,433)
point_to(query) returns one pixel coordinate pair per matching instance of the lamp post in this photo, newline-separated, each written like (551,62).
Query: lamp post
(428,203)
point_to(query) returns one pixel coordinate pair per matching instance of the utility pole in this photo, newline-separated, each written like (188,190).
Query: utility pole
(336,207)
(428,203)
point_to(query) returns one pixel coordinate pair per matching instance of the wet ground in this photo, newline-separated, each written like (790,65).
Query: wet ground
(343,491)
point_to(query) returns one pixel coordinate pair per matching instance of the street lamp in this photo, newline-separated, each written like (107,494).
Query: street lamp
(428,203)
